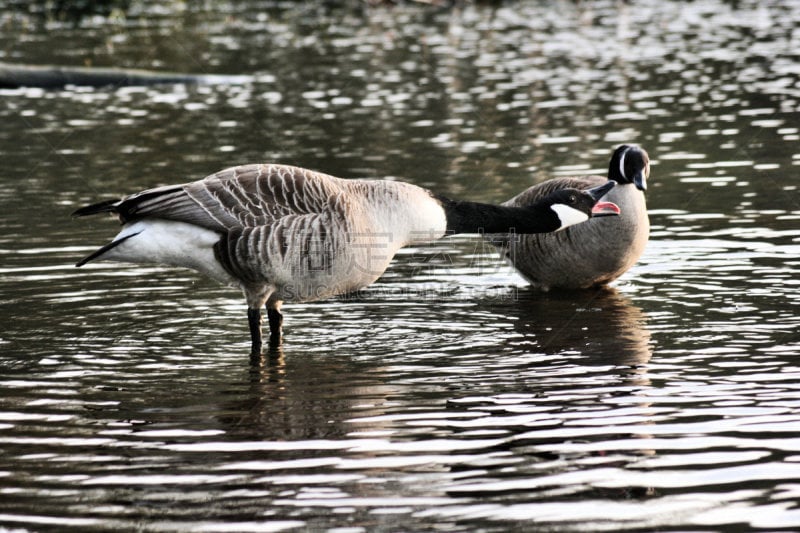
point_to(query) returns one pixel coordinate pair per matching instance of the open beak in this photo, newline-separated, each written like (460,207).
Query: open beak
(603,209)
(601,190)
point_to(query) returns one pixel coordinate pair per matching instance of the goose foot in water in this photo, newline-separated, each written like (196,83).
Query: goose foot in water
(254,320)
(275,319)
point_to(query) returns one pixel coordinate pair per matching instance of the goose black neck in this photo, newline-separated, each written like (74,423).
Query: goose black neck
(474,217)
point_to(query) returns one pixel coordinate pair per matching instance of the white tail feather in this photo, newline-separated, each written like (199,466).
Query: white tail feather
(169,242)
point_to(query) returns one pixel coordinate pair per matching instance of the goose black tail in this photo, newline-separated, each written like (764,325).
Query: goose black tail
(104,249)
(106,206)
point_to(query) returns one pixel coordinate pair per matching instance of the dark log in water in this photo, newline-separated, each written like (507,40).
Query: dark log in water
(54,77)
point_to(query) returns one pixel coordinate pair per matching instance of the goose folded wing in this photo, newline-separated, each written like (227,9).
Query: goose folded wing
(295,244)
(238,197)
(535,193)
(257,195)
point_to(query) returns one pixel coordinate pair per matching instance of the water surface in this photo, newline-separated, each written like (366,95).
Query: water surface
(448,395)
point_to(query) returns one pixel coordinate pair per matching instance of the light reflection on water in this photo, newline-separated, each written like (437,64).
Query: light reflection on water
(448,395)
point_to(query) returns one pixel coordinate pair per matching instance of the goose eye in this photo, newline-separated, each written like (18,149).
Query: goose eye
(572,198)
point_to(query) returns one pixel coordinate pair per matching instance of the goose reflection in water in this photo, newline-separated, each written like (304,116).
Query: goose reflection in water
(305,396)
(601,324)
(596,348)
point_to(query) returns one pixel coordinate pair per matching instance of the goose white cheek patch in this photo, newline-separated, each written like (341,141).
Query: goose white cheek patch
(622,164)
(568,215)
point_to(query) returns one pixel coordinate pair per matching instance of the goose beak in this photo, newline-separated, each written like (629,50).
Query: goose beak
(600,191)
(639,181)
(603,209)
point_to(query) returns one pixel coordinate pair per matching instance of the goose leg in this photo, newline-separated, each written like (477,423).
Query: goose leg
(275,319)
(254,320)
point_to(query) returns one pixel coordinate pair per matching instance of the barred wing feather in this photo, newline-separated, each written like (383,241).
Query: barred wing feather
(238,197)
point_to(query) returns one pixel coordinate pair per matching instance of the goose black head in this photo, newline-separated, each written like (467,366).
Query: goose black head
(630,164)
(573,206)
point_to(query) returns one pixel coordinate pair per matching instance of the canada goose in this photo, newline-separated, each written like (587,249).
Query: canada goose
(284,233)
(594,253)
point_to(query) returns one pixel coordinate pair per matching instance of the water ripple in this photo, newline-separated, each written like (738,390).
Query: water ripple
(448,395)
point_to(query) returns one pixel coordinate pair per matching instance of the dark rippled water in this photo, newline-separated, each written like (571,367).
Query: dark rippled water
(448,396)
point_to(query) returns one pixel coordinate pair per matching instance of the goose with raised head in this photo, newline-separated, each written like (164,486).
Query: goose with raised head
(594,253)
(284,233)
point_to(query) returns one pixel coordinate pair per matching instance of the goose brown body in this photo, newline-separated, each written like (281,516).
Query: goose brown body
(283,233)
(590,254)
